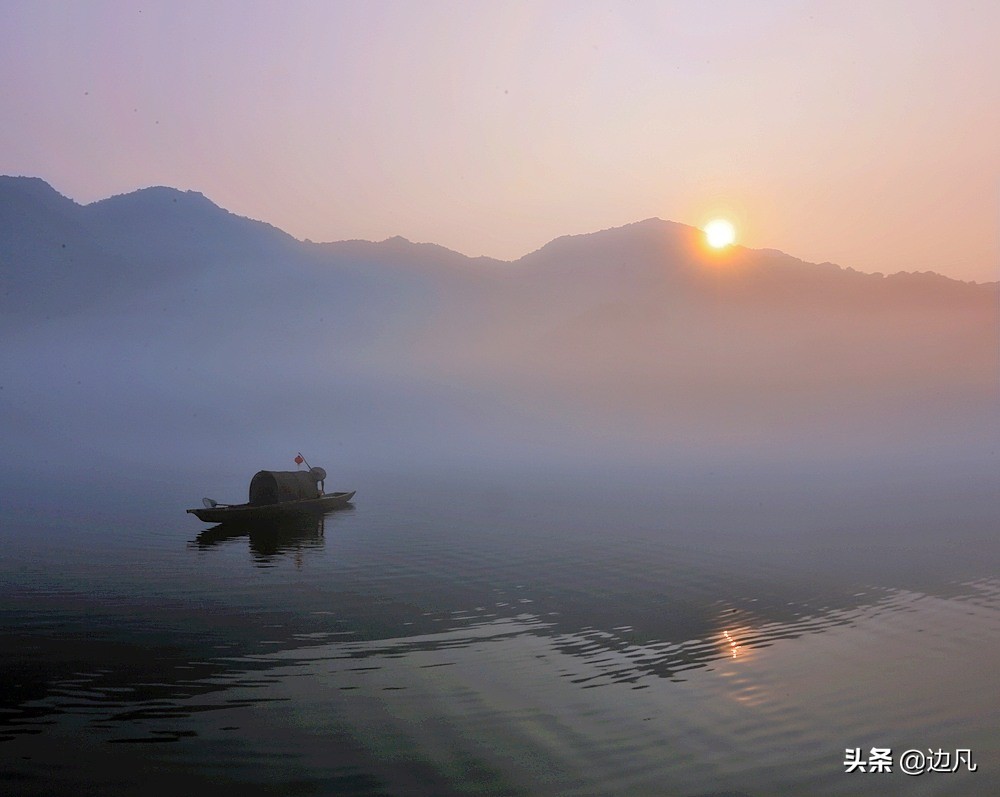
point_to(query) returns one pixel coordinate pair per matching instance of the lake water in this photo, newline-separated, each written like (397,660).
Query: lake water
(482,634)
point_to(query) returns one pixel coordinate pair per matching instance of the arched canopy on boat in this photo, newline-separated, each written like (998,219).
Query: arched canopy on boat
(276,486)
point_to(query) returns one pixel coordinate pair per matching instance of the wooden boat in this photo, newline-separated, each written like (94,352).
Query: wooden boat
(275,496)
(266,513)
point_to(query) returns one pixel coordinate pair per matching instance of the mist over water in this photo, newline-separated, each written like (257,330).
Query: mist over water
(629,519)
(491,633)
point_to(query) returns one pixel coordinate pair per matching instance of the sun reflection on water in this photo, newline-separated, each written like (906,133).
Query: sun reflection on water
(732,643)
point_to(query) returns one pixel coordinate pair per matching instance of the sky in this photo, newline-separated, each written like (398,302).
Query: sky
(861,133)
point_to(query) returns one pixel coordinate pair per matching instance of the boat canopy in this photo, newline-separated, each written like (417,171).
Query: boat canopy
(276,486)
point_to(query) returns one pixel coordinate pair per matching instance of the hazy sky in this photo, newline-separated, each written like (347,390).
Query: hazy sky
(865,133)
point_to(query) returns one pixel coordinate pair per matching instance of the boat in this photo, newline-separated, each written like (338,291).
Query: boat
(276,496)
(252,513)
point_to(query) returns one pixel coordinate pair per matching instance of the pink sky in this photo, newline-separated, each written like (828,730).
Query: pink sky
(864,133)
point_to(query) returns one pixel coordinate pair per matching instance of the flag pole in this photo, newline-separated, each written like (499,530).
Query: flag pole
(305,460)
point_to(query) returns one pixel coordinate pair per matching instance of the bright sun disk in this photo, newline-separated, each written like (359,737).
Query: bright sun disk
(719,233)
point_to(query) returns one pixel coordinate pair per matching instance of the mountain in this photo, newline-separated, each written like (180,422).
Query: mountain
(58,256)
(158,309)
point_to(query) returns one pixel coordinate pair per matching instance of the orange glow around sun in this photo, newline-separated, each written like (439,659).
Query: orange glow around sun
(720,233)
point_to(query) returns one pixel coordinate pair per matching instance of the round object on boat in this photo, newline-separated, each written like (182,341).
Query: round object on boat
(279,486)
(318,473)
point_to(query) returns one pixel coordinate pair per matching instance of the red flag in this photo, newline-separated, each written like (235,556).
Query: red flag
(298,459)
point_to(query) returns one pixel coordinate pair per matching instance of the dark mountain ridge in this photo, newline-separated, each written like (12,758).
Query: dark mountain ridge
(152,304)
(57,256)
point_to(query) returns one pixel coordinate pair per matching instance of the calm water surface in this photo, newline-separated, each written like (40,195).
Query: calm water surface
(480,636)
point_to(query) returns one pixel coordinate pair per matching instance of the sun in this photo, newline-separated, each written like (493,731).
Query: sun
(719,233)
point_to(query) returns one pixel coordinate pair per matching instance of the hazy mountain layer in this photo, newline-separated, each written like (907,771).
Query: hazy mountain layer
(157,318)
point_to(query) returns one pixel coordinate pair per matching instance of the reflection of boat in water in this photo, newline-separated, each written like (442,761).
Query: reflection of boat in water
(276,496)
(268,539)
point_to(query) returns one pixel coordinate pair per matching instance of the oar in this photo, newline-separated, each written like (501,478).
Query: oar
(211,504)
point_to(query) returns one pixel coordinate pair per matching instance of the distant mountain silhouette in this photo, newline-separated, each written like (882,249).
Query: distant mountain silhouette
(57,256)
(49,243)
(636,328)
